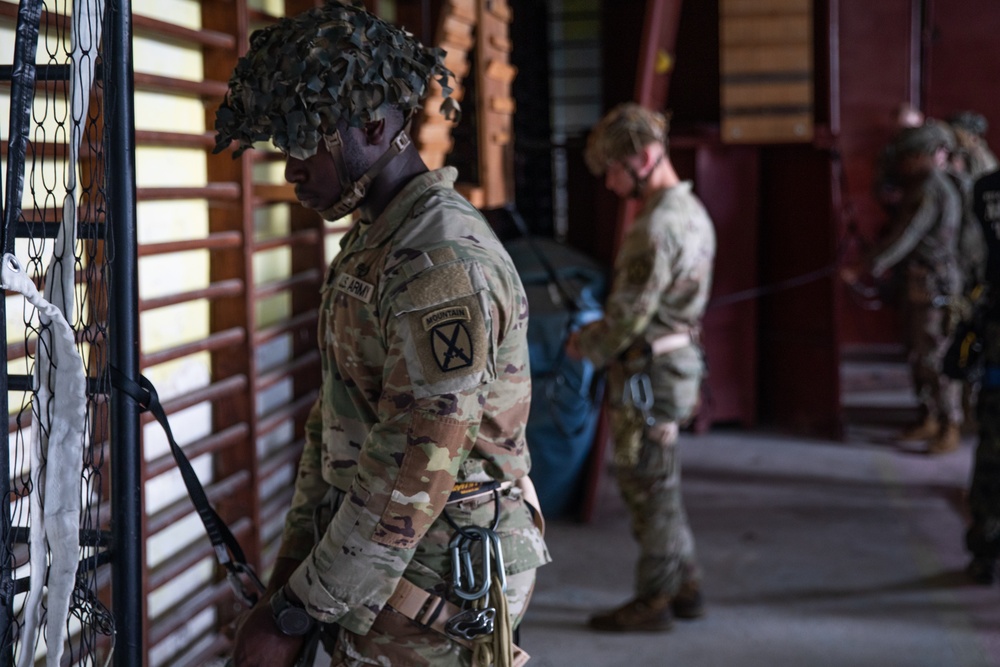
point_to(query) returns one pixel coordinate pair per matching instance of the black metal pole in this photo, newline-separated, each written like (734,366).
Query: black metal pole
(123,326)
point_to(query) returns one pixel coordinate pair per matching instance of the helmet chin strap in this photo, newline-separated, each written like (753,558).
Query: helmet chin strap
(639,182)
(353,192)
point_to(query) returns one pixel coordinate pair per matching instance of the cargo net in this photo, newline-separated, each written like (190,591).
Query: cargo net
(53,225)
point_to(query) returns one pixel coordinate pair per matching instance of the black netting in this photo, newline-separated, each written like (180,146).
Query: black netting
(63,159)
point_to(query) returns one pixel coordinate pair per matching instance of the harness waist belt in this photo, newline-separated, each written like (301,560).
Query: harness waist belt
(432,611)
(468,490)
(670,342)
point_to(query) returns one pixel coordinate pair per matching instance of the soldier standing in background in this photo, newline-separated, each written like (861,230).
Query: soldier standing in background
(971,159)
(925,243)
(983,536)
(972,155)
(417,436)
(648,338)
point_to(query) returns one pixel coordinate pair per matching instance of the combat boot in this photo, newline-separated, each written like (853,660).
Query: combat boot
(688,602)
(925,430)
(947,440)
(650,614)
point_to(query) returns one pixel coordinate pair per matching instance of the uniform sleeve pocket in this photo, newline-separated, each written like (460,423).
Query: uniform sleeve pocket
(445,328)
(434,451)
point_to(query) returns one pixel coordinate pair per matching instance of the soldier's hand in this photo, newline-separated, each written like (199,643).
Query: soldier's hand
(850,274)
(259,642)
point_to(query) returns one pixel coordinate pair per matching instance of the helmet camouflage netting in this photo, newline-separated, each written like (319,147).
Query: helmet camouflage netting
(622,132)
(306,73)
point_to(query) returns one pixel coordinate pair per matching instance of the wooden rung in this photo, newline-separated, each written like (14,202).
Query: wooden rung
(441,146)
(454,28)
(501,10)
(749,7)
(145,25)
(274,192)
(463,9)
(502,71)
(473,193)
(457,60)
(743,95)
(217,290)
(457,42)
(214,191)
(433,131)
(504,105)
(166,84)
(771,59)
(501,43)
(790,29)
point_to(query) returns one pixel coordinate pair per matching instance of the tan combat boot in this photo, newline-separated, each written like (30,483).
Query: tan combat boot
(687,602)
(925,430)
(945,441)
(651,614)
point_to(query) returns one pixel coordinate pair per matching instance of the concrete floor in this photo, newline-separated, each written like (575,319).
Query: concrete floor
(815,553)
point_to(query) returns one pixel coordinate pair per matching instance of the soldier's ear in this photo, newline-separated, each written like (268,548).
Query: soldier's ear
(650,156)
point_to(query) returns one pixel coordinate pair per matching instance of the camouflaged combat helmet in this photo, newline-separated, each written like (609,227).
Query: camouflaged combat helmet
(925,139)
(306,73)
(623,131)
(970,121)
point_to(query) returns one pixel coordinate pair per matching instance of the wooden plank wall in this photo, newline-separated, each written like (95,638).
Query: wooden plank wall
(767,66)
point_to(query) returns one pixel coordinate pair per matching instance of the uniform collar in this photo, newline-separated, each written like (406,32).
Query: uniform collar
(681,188)
(399,209)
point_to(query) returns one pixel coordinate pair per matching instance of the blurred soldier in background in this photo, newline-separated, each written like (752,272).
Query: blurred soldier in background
(648,338)
(924,242)
(983,535)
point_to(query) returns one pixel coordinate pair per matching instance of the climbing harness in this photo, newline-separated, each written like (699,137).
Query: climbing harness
(484,619)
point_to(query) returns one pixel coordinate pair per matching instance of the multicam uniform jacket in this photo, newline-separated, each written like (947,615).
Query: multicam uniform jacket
(662,276)
(931,216)
(426,383)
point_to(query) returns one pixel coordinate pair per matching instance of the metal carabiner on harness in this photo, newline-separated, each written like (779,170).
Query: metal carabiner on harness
(463,575)
(638,393)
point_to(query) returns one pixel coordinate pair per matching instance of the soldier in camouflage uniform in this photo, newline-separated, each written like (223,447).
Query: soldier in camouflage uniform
(972,154)
(419,425)
(648,339)
(925,244)
(983,535)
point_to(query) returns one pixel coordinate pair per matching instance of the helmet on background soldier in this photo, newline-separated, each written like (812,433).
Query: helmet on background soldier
(622,132)
(926,139)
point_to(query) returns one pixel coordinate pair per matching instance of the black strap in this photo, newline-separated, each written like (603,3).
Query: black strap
(227,549)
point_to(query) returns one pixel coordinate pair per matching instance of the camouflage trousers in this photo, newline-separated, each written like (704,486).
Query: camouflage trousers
(648,472)
(396,641)
(929,330)
(983,535)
